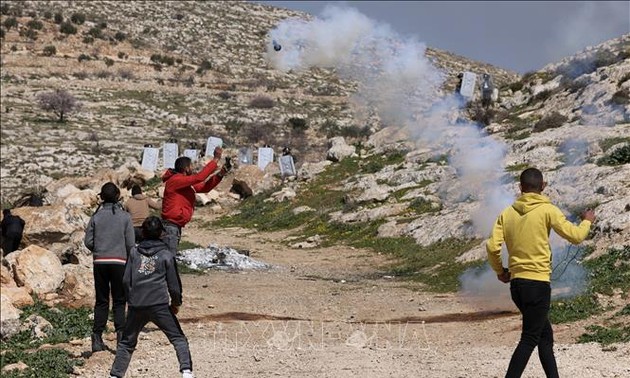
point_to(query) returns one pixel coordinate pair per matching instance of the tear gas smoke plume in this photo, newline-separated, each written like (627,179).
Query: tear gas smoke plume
(397,81)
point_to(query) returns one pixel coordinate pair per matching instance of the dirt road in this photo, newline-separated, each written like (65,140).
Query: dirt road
(332,313)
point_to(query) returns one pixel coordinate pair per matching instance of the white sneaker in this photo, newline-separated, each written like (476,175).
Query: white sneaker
(187,374)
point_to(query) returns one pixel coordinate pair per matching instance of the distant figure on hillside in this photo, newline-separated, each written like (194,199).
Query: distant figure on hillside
(151,280)
(180,186)
(487,88)
(109,235)
(524,228)
(12,229)
(139,207)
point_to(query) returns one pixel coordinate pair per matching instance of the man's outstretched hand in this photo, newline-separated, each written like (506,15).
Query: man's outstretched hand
(589,215)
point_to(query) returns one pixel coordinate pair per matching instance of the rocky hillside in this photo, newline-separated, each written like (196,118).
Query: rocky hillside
(146,72)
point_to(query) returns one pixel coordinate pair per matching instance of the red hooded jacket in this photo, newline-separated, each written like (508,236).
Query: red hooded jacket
(179,192)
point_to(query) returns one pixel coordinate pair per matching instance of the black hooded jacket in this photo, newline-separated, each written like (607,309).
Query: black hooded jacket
(151,276)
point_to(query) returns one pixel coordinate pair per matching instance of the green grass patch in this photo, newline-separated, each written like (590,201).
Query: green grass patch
(624,311)
(68,324)
(619,156)
(616,333)
(422,206)
(606,273)
(185,244)
(517,167)
(606,144)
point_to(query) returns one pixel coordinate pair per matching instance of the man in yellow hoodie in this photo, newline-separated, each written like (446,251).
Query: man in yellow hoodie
(524,228)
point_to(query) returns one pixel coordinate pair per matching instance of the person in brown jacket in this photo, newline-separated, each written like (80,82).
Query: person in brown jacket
(139,207)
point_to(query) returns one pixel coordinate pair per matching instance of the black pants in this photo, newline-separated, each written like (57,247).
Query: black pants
(11,242)
(161,316)
(533,300)
(108,278)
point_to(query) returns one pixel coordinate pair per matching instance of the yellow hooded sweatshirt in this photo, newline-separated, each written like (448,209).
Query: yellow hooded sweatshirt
(525,227)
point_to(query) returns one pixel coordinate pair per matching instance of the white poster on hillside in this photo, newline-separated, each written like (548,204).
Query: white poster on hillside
(212,143)
(150,157)
(468,84)
(192,154)
(265,156)
(170,152)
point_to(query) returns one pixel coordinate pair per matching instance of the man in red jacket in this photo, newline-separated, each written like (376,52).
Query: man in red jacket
(179,194)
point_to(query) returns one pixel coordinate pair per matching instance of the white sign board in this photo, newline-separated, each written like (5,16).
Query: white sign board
(170,152)
(468,84)
(150,158)
(192,154)
(212,143)
(265,156)
(287,167)
(245,155)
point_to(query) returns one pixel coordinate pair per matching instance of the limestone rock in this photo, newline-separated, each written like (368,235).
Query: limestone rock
(339,150)
(309,171)
(78,286)
(37,325)
(19,296)
(19,366)
(36,268)
(369,215)
(6,277)
(9,317)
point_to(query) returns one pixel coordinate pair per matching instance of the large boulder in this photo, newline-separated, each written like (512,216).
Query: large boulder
(6,277)
(9,317)
(339,150)
(59,228)
(19,296)
(37,269)
(309,171)
(131,174)
(78,286)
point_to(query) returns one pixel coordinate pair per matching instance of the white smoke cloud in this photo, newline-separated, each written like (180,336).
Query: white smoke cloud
(591,23)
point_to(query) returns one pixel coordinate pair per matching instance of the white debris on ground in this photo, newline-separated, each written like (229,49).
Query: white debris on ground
(219,258)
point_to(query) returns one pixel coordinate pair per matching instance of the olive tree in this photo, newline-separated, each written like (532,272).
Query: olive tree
(59,102)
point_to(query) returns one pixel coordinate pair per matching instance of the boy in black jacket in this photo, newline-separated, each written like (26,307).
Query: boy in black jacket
(150,279)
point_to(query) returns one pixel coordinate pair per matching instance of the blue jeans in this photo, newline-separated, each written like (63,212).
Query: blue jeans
(533,299)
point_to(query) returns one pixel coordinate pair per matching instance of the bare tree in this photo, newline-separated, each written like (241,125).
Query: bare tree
(59,102)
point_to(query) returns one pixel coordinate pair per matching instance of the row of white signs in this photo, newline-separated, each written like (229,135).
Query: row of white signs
(170,153)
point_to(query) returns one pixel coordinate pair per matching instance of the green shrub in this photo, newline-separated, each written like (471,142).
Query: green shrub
(262,102)
(67,28)
(77,18)
(120,36)
(49,50)
(619,156)
(95,32)
(58,18)
(10,22)
(30,34)
(298,124)
(552,121)
(108,62)
(88,39)
(621,97)
(35,24)
(2,33)
(83,57)
(48,15)
(516,86)
(204,66)
(122,55)
(617,333)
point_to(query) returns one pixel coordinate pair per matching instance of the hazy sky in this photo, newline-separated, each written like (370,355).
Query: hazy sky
(518,35)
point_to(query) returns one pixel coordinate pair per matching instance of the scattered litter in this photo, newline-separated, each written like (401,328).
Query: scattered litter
(219,258)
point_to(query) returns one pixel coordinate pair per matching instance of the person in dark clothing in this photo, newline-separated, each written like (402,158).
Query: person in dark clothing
(12,229)
(110,237)
(150,279)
